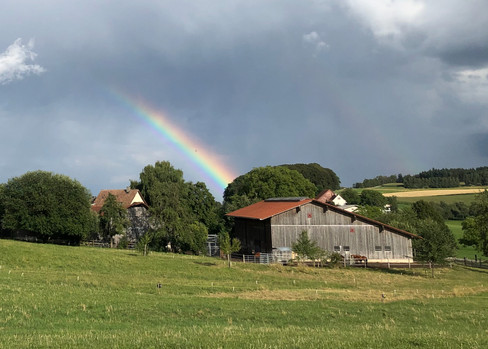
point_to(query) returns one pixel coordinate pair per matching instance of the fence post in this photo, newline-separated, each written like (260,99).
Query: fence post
(243,258)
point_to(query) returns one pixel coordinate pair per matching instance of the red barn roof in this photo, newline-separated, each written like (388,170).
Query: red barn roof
(271,207)
(268,208)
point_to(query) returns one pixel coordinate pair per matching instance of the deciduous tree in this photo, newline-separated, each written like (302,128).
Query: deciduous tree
(266,182)
(475,228)
(306,248)
(113,218)
(228,246)
(49,206)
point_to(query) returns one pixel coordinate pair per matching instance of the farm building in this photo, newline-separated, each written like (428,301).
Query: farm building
(275,224)
(136,206)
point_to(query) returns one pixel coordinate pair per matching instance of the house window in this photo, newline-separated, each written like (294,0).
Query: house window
(388,248)
(377,248)
(337,248)
(346,248)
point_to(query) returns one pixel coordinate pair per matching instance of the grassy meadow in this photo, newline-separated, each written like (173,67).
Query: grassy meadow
(77,297)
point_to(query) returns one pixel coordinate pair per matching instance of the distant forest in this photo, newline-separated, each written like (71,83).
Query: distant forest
(434,178)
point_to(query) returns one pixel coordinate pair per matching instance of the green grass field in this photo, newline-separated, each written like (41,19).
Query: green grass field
(449,199)
(77,297)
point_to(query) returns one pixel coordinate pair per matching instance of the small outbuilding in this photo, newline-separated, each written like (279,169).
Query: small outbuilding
(276,223)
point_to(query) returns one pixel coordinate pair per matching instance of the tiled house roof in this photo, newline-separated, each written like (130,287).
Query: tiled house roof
(127,197)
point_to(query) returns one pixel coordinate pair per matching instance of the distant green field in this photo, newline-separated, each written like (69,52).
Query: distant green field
(81,297)
(466,198)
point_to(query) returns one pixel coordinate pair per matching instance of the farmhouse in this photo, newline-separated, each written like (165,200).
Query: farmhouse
(136,206)
(274,224)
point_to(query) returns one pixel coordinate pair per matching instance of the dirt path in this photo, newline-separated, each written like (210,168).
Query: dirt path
(433,192)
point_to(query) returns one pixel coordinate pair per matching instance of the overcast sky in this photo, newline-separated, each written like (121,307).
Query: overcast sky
(365,88)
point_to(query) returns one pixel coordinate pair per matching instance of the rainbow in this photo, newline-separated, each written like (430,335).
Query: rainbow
(205,160)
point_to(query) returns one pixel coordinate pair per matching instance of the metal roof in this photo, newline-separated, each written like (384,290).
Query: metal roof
(266,209)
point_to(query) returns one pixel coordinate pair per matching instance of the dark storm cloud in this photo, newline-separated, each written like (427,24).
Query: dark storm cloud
(472,56)
(364,88)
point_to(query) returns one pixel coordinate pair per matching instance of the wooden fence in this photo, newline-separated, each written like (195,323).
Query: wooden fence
(471,263)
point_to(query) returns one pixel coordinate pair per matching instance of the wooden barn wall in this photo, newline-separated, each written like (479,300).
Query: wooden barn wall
(255,235)
(332,229)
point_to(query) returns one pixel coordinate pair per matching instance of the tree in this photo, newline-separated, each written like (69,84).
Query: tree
(372,198)
(165,191)
(176,206)
(195,238)
(48,206)
(306,248)
(475,228)
(437,242)
(113,218)
(424,210)
(372,212)
(228,246)
(143,243)
(351,196)
(322,178)
(204,207)
(263,183)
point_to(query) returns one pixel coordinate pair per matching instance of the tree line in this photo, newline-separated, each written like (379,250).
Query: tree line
(434,178)
(51,207)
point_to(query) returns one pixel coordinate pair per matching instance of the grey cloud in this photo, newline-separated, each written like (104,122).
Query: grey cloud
(244,78)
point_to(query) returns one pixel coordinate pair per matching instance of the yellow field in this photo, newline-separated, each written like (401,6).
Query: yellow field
(433,192)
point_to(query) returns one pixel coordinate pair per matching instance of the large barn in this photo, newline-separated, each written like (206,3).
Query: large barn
(274,224)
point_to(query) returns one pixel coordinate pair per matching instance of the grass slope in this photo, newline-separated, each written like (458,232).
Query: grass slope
(77,297)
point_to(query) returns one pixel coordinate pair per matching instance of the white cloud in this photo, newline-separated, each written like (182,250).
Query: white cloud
(472,85)
(314,39)
(386,17)
(13,62)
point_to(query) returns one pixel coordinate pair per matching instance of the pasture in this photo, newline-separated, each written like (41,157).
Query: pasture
(77,297)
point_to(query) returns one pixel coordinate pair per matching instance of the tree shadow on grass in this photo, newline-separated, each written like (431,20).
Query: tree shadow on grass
(207,264)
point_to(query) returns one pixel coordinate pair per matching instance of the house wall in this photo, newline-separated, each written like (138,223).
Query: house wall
(139,222)
(331,230)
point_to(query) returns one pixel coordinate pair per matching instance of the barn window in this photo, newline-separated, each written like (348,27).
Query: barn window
(337,248)
(346,248)
(377,248)
(388,248)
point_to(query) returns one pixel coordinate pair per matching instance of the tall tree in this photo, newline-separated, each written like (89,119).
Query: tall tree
(475,228)
(182,212)
(351,196)
(204,207)
(372,198)
(323,178)
(266,182)
(49,206)
(165,191)
(113,218)
(437,242)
